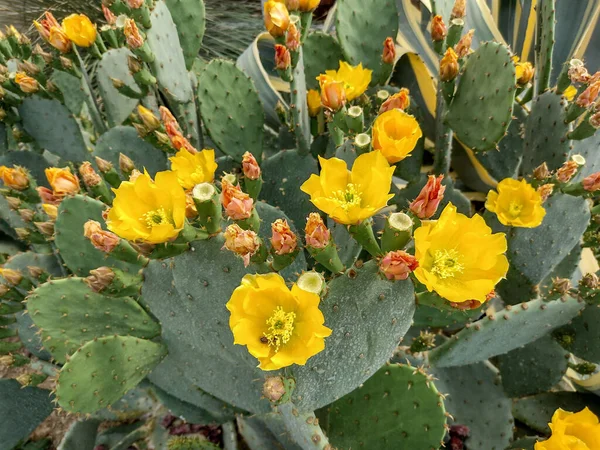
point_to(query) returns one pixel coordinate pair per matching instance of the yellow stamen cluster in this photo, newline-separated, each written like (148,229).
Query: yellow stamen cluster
(349,197)
(446,263)
(281,327)
(156,217)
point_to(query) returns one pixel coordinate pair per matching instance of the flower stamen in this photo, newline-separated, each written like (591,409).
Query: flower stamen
(446,263)
(156,217)
(281,327)
(349,197)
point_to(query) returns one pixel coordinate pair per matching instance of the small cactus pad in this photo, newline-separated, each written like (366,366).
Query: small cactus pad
(534,368)
(303,428)
(366,330)
(482,107)
(260,436)
(321,52)
(69,314)
(104,370)
(356,19)
(398,407)
(231,110)
(127,141)
(54,128)
(78,252)
(583,334)
(504,331)
(117,106)
(545,46)
(546,134)
(190,18)
(474,398)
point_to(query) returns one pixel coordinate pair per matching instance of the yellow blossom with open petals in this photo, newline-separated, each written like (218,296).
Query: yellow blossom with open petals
(516,204)
(459,257)
(279,326)
(193,169)
(396,134)
(80,30)
(356,79)
(349,197)
(148,211)
(572,431)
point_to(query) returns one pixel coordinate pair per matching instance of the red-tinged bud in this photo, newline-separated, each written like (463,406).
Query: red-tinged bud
(277,18)
(244,243)
(88,175)
(463,48)
(293,38)
(26,214)
(398,265)
(591,183)
(15,178)
(283,59)
(103,165)
(449,66)
(133,37)
(250,167)
(595,120)
(126,164)
(545,191)
(52,32)
(11,276)
(439,31)
(589,96)
(110,18)
(333,93)
(459,10)
(100,278)
(46,228)
(569,168)
(428,200)
(317,234)
(48,197)
(389,51)
(283,239)
(400,100)
(541,172)
(135,4)
(104,241)
(238,205)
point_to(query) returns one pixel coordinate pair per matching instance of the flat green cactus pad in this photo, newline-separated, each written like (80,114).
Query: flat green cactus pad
(190,18)
(321,52)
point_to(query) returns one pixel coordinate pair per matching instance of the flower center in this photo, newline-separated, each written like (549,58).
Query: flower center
(281,326)
(349,197)
(514,209)
(446,263)
(156,217)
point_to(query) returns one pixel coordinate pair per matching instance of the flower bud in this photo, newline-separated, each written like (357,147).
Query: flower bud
(292,5)
(464,45)
(135,4)
(104,241)
(126,164)
(293,38)
(590,281)
(459,10)
(134,175)
(439,30)
(13,203)
(28,67)
(449,65)
(88,175)
(35,272)
(62,181)
(333,94)
(589,96)
(428,200)
(27,84)
(134,65)
(110,18)
(238,205)
(26,214)
(283,59)
(100,278)
(133,37)
(151,122)
(50,210)
(568,170)
(313,100)
(117,83)
(577,72)
(317,234)
(398,265)
(591,183)
(244,243)
(541,172)
(48,197)
(190,206)
(545,191)
(7,360)
(15,178)
(23,233)
(51,31)
(103,165)
(389,51)
(66,63)
(39,51)
(11,276)
(595,120)
(400,100)
(524,73)
(274,388)
(250,167)
(283,239)
(46,228)
(308,5)
(561,285)
(277,18)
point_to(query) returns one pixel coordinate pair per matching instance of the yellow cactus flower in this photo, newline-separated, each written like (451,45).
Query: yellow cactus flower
(193,169)
(308,5)
(395,133)
(279,326)
(148,211)
(14,178)
(517,204)
(572,431)
(313,99)
(524,72)
(459,257)
(355,79)
(62,181)
(351,197)
(277,18)
(80,30)
(570,93)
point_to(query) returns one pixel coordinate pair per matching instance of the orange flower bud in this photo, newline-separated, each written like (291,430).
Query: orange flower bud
(62,181)
(333,94)
(132,34)
(103,165)
(244,243)
(110,18)
(449,65)
(459,10)
(398,265)
(283,59)
(428,200)
(48,197)
(88,175)
(464,45)
(308,5)
(438,29)
(151,122)
(135,4)
(567,171)
(389,51)
(51,31)
(277,18)
(524,73)
(190,206)
(595,120)
(15,178)
(591,183)
(104,241)
(250,167)
(317,234)
(238,205)
(292,5)
(11,276)
(50,210)
(27,84)
(292,40)
(126,164)
(100,278)
(545,191)
(400,100)
(589,96)
(283,239)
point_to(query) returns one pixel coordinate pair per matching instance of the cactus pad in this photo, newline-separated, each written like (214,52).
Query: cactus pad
(321,52)
(584,331)
(190,18)
(72,90)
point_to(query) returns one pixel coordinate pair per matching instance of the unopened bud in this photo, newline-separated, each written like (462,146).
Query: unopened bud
(400,100)
(590,281)
(151,122)
(591,183)
(126,163)
(39,51)
(293,38)
(428,200)
(26,83)
(13,203)
(28,67)
(26,214)
(66,63)
(134,64)
(389,51)
(250,167)
(117,84)
(35,271)
(274,388)
(51,86)
(244,243)
(463,47)
(333,93)
(110,18)
(104,241)
(561,285)
(100,278)
(283,239)
(524,73)
(135,174)
(541,172)
(46,228)
(11,276)
(7,360)
(24,379)
(449,65)
(103,165)
(398,265)
(88,175)
(423,342)
(545,191)
(439,31)
(317,234)
(22,233)
(4,289)
(459,10)
(283,59)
